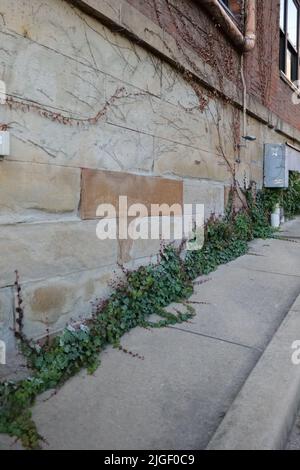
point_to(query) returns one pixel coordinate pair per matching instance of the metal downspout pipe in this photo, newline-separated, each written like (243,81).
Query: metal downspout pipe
(245,42)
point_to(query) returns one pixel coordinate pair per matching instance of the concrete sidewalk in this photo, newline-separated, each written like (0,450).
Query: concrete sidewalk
(294,440)
(191,373)
(262,415)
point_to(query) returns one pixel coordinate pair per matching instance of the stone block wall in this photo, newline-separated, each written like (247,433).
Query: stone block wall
(89,103)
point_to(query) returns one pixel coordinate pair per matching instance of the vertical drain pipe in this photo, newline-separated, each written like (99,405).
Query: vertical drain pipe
(244,97)
(244,82)
(250,26)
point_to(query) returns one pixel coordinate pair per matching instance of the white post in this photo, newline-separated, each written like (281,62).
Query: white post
(2,352)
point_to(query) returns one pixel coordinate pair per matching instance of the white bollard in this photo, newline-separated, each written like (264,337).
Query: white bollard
(275,220)
(2,352)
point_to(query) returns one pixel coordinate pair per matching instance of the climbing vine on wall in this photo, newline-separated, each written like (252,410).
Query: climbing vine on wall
(288,198)
(267,40)
(184,25)
(188,31)
(29,106)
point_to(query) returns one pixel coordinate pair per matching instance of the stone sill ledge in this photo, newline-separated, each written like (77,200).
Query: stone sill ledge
(288,82)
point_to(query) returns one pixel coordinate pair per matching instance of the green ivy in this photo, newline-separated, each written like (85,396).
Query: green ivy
(288,198)
(144,292)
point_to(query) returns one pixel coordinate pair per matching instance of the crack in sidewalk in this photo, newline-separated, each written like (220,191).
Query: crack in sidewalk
(216,338)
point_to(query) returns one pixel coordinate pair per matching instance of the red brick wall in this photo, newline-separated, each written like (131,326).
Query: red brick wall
(262,66)
(188,23)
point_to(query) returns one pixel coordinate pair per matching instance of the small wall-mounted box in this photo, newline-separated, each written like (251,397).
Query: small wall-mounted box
(276,174)
(4,143)
(279,160)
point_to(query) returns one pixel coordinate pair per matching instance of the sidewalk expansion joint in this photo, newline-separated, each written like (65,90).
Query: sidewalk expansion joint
(288,239)
(216,338)
(255,254)
(270,272)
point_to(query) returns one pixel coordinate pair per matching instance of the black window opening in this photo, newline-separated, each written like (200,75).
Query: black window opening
(289,38)
(233,10)
(226,3)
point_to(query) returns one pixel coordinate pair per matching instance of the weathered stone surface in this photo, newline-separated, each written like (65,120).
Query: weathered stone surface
(270,136)
(115,148)
(256,129)
(44,250)
(72,34)
(140,26)
(15,366)
(52,303)
(181,160)
(27,188)
(176,90)
(151,115)
(148,249)
(100,146)
(109,10)
(82,95)
(207,193)
(105,187)
(257,174)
